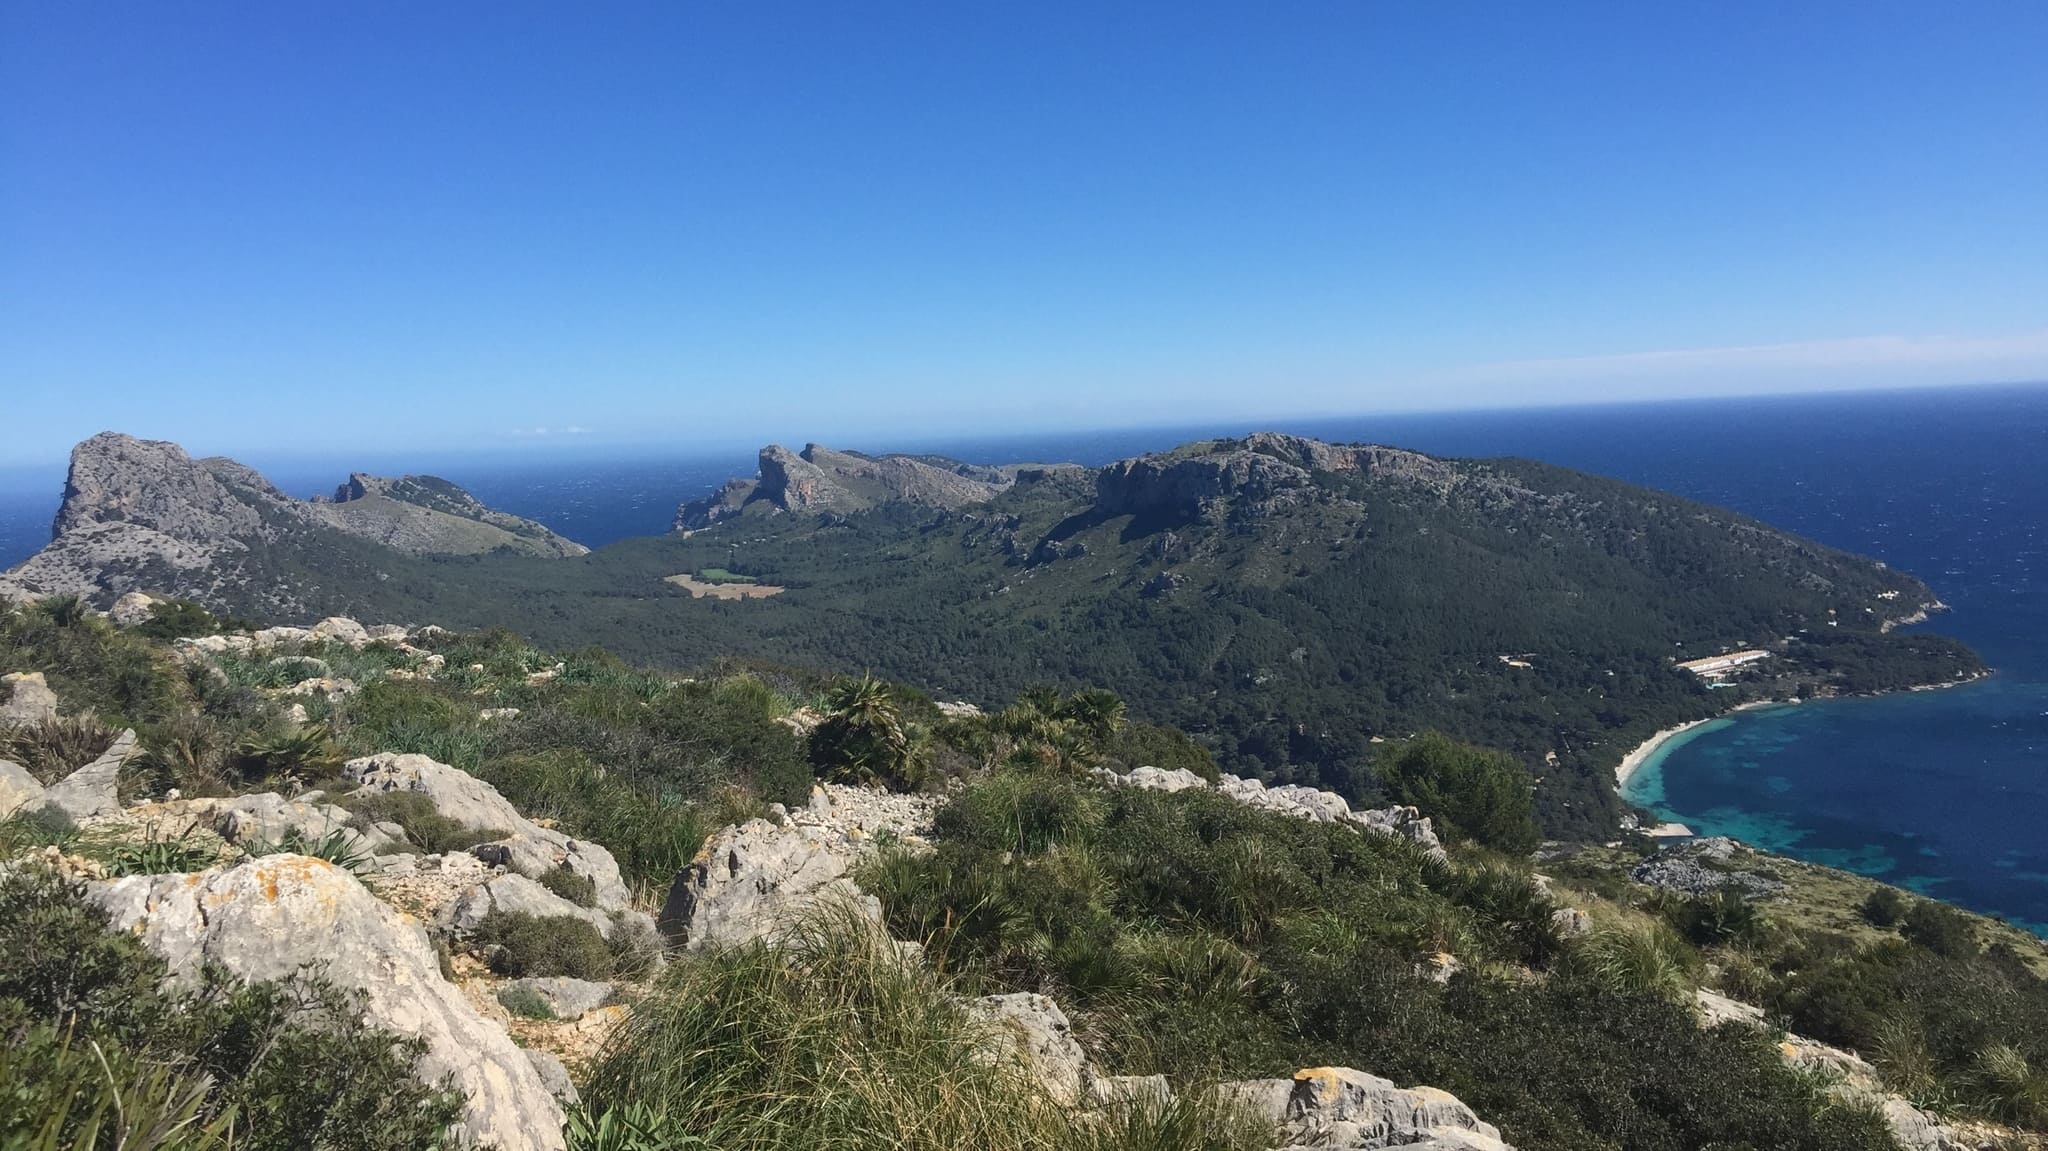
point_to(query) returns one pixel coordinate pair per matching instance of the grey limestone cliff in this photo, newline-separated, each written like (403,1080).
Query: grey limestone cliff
(143,516)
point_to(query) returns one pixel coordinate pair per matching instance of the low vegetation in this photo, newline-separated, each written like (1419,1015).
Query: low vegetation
(96,1053)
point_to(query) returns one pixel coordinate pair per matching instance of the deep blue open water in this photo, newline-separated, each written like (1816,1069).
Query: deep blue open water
(1945,792)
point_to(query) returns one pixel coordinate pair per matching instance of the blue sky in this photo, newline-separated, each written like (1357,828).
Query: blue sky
(253,227)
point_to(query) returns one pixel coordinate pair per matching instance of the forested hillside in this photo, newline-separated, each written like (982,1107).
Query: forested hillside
(1285,601)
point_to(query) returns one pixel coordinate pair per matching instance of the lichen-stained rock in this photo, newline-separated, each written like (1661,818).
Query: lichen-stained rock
(269,918)
(26,698)
(89,792)
(752,882)
(268,817)
(1037,1034)
(1338,1107)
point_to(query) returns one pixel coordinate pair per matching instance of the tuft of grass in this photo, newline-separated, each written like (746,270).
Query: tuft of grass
(156,855)
(1638,959)
(338,847)
(829,1040)
(56,747)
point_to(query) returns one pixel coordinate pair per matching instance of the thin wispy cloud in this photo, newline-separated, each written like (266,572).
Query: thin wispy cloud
(544,431)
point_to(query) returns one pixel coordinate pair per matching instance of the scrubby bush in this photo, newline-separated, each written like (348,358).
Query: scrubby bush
(56,747)
(290,1065)
(526,1003)
(177,619)
(1885,907)
(1939,928)
(1473,793)
(519,945)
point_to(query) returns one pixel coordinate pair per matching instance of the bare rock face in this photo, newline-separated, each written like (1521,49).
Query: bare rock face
(752,882)
(132,610)
(1293,801)
(819,479)
(1033,1030)
(26,698)
(514,894)
(18,789)
(1250,476)
(269,917)
(89,792)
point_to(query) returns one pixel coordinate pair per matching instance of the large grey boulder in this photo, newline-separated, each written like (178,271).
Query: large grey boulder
(342,630)
(132,609)
(514,894)
(1338,1107)
(1034,1031)
(535,850)
(90,792)
(26,698)
(270,917)
(454,793)
(18,789)
(753,882)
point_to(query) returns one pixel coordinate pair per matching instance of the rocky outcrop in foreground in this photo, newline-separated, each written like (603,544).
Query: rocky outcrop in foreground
(141,515)
(1293,801)
(279,915)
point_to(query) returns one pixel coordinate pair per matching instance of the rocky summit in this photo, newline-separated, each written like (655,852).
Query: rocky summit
(819,480)
(142,515)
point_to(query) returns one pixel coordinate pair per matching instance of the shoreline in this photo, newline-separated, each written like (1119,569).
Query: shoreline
(1635,759)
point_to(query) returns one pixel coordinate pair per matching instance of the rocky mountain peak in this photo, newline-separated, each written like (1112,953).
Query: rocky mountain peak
(1256,471)
(153,484)
(821,479)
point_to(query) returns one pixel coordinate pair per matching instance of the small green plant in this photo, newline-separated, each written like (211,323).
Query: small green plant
(341,847)
(55,747)
(289,755)
(156,855)
(627,1127)
(421,821)
(580,890)
(526,1003)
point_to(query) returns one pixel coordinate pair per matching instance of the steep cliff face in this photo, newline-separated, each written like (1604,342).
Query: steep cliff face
(142,515)
(819,479)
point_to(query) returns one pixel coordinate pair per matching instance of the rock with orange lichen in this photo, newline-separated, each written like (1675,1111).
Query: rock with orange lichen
(274,916)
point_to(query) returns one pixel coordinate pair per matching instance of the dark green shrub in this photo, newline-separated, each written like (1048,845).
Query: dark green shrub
(1473,793)
(1885,907)
(1145,744)
(177,619)
(863,738)
(1939,928)
(518,945)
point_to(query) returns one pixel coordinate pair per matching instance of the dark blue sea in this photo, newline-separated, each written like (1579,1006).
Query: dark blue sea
(1944,792)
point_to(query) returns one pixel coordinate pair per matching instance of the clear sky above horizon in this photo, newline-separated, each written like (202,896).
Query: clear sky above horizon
(390,225)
